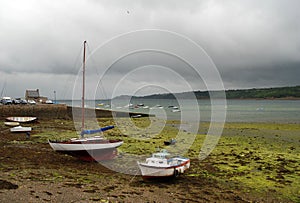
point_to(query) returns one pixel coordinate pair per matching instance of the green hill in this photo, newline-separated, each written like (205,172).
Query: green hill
(255,93)
(278,92)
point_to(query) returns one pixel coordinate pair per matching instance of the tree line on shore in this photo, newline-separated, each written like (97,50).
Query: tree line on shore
(254,93)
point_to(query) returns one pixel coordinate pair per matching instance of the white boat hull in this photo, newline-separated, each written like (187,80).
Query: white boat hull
(20,129)
(21,119)
(90,149)
(12,123)
(78,147)
(149,172)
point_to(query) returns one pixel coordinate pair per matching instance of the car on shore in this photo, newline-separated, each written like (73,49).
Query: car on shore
(6,101)
(31,102)
(23,101)
(17,101)
(48,101)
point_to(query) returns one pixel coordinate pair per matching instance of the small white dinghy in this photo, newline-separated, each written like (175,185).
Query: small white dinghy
(12,123)
(20,129)
(21,119)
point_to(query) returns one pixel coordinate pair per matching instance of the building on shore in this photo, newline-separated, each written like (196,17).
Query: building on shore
(35,95)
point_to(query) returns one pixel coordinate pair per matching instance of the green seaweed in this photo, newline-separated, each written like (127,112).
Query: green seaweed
(259,157)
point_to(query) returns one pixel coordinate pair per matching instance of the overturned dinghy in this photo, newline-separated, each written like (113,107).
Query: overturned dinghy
(19,129)
(21,119)
(12,123)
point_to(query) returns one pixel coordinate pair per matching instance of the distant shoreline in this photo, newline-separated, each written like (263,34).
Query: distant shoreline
(280,93)
(282,98)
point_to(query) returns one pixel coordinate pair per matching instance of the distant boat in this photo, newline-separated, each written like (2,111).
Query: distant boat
(20,129)
(130,105)
(92,148)
(175,110)
(161,166)
(21,119)
(12,123)
(157,107)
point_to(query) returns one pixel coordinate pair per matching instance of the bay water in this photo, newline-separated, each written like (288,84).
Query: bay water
(276,111)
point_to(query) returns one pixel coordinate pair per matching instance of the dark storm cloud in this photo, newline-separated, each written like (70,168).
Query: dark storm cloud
(256,40)
(286,74)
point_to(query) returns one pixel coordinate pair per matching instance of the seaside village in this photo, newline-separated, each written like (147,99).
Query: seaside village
(32,96)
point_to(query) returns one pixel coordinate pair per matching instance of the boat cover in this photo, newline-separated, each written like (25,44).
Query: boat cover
(87,132)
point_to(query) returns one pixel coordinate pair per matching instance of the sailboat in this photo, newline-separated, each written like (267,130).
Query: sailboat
(94,148)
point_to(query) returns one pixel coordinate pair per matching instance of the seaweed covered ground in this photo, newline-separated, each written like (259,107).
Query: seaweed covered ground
(253,162)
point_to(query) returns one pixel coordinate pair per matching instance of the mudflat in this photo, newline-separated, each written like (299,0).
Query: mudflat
(252,162)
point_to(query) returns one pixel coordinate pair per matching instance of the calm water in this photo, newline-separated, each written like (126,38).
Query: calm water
(279,111)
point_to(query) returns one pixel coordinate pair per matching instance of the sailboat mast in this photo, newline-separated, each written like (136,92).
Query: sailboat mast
(83,87)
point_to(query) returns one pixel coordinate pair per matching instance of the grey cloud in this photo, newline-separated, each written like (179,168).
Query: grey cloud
(256,40)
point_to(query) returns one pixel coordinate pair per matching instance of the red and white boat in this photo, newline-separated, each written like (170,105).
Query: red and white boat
(92,148)
(161,165)
(88,149)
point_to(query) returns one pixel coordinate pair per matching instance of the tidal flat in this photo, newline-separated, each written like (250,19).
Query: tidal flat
(252,162)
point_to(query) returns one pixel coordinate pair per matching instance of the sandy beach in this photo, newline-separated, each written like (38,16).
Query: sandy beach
(253,162)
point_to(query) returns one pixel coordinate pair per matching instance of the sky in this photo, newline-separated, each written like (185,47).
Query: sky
(145,47)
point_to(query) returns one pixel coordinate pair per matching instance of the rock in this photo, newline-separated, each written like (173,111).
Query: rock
(7,185)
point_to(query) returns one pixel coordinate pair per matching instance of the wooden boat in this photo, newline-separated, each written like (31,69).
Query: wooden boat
(21,119)
(12,123)
(88,149)
(19,129)
(161,166)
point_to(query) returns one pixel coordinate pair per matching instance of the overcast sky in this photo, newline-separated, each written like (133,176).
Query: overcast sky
(252,44)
